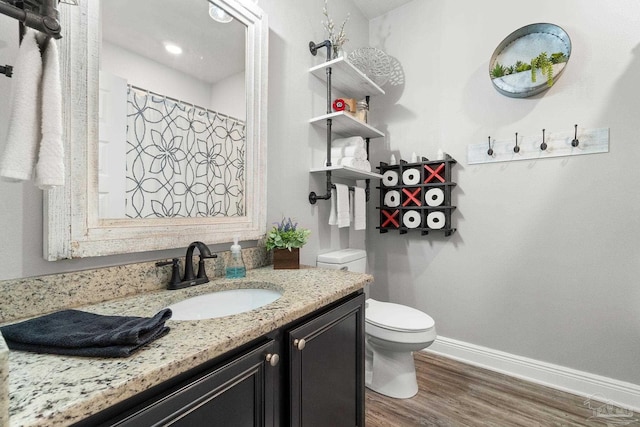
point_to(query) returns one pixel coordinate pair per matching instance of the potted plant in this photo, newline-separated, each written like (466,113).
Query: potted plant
(286,239)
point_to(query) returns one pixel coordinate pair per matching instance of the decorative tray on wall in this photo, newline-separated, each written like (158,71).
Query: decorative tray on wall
(417,196)
(520,47)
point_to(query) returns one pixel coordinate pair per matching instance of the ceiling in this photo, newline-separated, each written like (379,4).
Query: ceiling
(142,26)
(374,8)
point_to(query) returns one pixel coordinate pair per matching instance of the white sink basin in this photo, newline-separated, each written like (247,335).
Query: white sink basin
(222,303)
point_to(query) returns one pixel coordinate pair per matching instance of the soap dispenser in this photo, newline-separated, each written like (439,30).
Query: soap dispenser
(236,268)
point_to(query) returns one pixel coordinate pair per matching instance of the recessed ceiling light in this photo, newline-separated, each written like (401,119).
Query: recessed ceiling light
(173,48)
(218,14)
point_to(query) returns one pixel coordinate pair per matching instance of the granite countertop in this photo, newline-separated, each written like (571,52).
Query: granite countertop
(52,390)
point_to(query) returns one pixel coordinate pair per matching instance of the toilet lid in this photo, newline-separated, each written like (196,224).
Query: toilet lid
(397,317)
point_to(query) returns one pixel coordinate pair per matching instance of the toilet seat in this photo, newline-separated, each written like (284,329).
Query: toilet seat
(395,323)
(396,317)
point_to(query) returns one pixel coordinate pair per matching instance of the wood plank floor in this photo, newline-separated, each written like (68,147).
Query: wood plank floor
(453,394)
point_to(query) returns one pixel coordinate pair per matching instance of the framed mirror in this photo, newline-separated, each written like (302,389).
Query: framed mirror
(162,148)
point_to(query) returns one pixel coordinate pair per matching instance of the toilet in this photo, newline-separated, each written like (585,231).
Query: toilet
(392,333)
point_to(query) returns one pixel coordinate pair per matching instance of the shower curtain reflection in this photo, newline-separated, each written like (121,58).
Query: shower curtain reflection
(182,160)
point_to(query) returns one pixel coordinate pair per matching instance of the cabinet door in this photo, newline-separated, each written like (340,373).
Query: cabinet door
(326,368)
(238,393)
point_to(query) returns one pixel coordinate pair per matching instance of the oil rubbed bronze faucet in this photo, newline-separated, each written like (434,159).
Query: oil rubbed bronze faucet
(189,278)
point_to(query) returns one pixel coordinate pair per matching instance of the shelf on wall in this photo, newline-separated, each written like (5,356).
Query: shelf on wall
(346,78)
(344,124)
(347,172)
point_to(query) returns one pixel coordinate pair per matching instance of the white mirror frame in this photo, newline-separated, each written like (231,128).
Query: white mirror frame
(72,227)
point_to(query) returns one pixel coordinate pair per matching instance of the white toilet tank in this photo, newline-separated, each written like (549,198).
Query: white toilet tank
(344,259)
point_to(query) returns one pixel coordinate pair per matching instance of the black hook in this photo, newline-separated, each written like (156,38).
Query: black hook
(543,146)
(575,141)
(516,149)
(490,150)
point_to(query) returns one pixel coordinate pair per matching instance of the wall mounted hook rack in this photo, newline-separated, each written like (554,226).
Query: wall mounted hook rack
(554,144)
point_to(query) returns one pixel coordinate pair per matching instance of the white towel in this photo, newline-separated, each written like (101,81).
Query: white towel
(50,167)
(333,213)
(356,141)
(359,164)
(348,151)
(342,205)
(22,140)
(359,209)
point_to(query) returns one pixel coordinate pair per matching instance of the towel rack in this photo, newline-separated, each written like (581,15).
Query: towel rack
(353,80)
(7,70)
(41,15)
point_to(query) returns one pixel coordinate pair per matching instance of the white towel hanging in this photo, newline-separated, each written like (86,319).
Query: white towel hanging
(359,209)
(342,205)
(50,167)
(19,154)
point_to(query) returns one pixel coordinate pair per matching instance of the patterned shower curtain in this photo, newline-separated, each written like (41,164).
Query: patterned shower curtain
(182,161)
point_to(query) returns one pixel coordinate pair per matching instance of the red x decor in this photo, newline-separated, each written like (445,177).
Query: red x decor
(434,173)
(390,218)
(411,196)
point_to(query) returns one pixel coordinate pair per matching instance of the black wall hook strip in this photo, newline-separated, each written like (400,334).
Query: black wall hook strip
(7,70)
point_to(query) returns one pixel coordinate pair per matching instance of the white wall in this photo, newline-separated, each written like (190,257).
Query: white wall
(228,96)
(295,96)
(142,72)
(546,259)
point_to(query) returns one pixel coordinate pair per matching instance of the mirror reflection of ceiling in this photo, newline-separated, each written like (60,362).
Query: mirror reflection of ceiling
(374,8)
(143,26)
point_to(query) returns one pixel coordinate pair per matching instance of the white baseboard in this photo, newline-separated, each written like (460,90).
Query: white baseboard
(619,393)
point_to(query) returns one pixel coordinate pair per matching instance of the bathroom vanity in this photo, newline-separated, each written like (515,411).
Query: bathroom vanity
(298,360)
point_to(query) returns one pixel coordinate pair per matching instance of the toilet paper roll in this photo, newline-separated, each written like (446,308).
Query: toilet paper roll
(411,219)
(390,178)
(435,220)
(434,197)
(392,199)
(411,177)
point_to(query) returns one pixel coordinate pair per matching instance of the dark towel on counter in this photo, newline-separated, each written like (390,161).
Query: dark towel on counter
(78,333)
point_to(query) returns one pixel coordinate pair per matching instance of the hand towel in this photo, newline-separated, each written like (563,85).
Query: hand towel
(78,333)
(356,141)
(23,136)
(342,205)
(50,166)
(359,209)
(333,213)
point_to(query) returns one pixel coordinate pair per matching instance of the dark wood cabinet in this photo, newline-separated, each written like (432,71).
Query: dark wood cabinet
(308,373)
(241,390)
(326,368)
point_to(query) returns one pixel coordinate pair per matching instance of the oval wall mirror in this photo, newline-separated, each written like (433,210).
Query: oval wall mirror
(530,60)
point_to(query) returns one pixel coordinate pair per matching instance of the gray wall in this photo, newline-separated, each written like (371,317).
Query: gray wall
(546,260)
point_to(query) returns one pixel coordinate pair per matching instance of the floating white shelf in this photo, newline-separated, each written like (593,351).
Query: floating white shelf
(344,124)
(347,172)
(346,78)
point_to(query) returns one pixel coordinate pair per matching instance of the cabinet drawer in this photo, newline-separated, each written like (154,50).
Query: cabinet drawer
(238,393)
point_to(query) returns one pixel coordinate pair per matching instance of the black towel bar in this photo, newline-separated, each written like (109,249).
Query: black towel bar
(7,70)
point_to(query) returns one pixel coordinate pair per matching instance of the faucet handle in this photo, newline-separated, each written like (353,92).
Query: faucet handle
(175,271)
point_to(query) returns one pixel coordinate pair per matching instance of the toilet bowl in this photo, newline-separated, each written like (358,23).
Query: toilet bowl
(392,333)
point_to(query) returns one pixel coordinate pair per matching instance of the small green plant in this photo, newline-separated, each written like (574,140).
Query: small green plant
(522,66)
(498,70)
(543,62)
(286,235)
